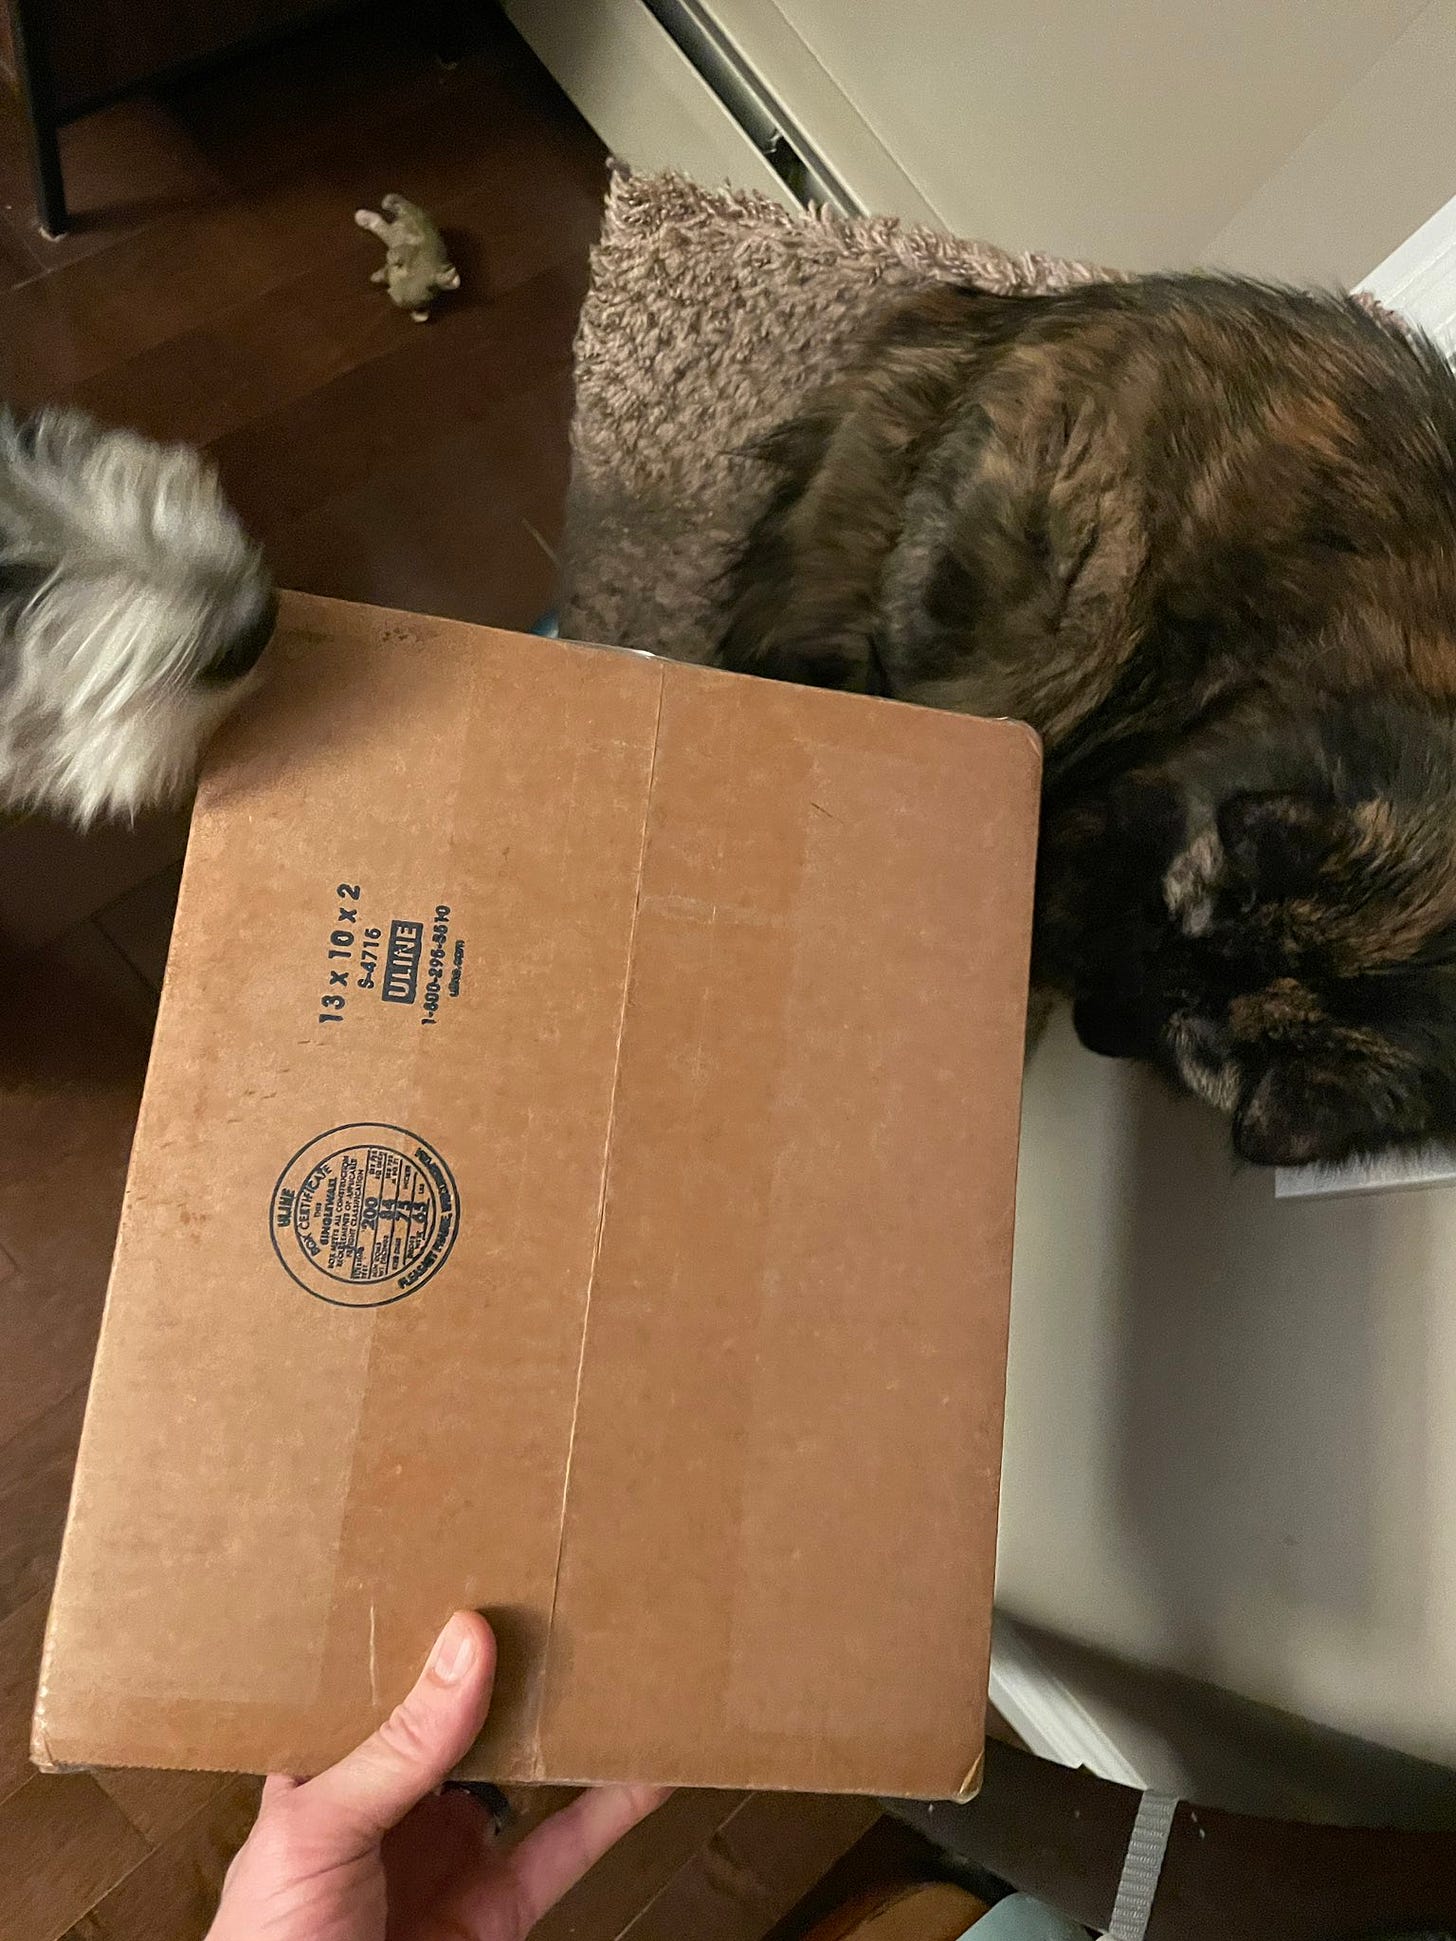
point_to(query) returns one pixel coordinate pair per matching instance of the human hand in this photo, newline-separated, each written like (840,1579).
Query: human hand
(371,1851)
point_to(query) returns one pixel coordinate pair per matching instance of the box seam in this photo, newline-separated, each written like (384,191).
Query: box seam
(537,1752)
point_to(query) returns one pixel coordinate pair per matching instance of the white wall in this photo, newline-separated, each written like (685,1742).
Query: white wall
(1150,133)
(1297,139)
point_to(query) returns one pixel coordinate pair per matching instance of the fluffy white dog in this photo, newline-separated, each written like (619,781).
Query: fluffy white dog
(133,609)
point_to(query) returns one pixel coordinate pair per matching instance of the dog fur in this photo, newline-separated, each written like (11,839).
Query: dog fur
(1201,533)
(133,609)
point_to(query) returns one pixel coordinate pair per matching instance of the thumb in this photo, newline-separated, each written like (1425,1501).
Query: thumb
(424,1738)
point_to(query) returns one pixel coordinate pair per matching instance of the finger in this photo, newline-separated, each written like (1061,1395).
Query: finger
(424,1737)
(278,1786)
(558,1853)
(443,1841)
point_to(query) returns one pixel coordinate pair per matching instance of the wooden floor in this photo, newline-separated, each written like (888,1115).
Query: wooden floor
(216,290)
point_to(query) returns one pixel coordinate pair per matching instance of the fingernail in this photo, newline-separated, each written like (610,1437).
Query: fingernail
(454,1651)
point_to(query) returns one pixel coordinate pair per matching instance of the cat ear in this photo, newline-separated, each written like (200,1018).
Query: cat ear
(1279,841)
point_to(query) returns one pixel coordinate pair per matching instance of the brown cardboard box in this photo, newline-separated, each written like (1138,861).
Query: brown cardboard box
(575,1179)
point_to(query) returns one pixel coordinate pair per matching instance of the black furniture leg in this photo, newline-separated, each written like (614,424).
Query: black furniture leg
(33,65)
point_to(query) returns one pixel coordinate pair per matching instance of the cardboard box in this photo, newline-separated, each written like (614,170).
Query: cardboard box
(575,1179)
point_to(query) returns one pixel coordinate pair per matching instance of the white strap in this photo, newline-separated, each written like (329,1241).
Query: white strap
(1141,1870)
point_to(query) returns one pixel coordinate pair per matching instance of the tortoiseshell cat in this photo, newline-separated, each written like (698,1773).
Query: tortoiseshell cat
(1202,535)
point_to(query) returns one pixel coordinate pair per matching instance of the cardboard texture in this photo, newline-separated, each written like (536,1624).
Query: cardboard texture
(575,1179)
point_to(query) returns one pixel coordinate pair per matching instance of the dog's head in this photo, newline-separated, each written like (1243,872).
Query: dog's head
(133,607)
(1274,926)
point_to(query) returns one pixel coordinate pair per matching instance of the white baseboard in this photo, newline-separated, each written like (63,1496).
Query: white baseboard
(1419,279)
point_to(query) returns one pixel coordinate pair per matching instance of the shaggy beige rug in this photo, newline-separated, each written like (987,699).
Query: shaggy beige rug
(711,314)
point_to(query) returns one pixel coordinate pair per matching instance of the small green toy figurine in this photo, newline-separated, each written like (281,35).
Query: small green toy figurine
(416,265)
